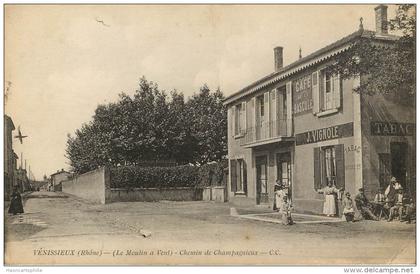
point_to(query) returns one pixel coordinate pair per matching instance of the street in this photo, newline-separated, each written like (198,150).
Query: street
(190,233)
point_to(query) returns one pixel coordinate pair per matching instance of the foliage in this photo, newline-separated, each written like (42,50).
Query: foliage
(149,126)
(154,177)
(208,128)
(386,67)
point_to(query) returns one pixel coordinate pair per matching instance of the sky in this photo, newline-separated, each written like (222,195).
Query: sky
(61,62)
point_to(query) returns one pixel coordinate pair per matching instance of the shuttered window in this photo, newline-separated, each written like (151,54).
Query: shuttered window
(239,118)
(238,175)
(233,175)
(326,91)
(289,122)
(329,166)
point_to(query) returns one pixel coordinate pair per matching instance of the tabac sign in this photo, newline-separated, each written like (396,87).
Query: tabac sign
(324,134)
(392,129)
(302,95)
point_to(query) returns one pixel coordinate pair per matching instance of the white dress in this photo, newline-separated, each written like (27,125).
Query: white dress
(279,198)
(329,204)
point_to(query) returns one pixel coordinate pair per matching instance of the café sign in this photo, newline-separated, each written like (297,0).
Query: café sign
(392,129)
(324,134)
(302,95)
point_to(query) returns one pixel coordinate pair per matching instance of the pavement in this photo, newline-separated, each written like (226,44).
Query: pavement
(61,229)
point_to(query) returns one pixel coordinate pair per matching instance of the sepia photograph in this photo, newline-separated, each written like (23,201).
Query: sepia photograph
(210,135)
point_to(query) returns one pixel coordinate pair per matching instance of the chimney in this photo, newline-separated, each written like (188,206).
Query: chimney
(381,19)
(278,58)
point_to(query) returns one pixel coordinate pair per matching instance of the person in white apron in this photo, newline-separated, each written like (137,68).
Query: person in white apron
(330,192)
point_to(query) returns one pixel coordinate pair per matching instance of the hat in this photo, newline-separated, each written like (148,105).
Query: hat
(393,179)
(361,189)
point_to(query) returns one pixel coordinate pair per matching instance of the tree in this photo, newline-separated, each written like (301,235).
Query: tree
(208,120)
(151,127)
(386,67)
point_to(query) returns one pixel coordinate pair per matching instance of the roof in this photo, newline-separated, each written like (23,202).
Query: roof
(59,172)
(309,60)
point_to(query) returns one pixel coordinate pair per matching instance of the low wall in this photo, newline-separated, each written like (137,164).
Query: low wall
(154,194)
(215,193)
(91,186)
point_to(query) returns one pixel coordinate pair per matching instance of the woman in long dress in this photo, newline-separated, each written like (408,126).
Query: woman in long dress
(16,206)
(330,192)
(278,195)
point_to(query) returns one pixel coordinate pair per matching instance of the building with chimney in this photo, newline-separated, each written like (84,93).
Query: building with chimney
(304,125)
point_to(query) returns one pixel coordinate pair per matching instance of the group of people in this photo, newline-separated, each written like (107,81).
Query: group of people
(391,203)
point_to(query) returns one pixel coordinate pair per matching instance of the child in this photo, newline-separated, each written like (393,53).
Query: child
(348,210)
(286,214)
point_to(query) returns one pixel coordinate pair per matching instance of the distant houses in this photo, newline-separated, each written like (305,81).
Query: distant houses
(57,178)
(13,176)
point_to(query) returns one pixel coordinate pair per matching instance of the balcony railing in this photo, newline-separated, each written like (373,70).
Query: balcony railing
(265,131)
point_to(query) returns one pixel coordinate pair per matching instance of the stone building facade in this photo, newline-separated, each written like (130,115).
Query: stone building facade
(304,126)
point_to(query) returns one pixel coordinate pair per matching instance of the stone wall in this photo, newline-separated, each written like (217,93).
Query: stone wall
(94,186)
(154,194)
(91,186)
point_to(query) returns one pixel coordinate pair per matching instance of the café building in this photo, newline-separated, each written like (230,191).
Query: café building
(304,125)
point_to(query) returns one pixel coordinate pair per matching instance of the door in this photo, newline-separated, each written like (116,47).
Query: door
(262,178)
(399,162)
(284,171)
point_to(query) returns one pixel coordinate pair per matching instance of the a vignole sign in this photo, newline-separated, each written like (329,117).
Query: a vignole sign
(324,134)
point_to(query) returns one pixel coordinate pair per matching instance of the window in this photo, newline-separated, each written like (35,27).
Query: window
(240,119)
(329,169)
(330,90)
(261,106)
(329,166)
(326,92)
(238,176)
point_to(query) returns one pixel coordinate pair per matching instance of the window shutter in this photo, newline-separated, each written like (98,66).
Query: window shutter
(243,109)
(317,168)
(315,92)
(337,91)
(322,80)
(254,119)
(289,108)
(339,159)
(245,177)
(266,125)
(233,175)
(232,118)
(273,113)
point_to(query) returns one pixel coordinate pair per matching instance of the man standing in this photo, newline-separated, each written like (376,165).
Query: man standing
(392,189)
(364,206)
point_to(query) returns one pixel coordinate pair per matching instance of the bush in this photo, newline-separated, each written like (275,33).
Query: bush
(154,177)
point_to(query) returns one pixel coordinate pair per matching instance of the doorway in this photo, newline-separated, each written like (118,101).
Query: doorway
(399,162)
(284,171)
(262,179)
